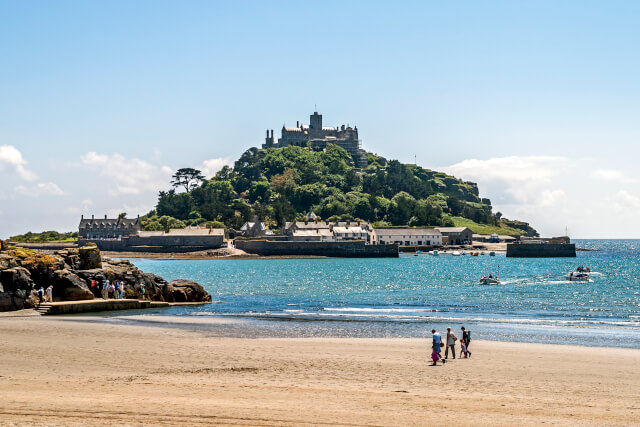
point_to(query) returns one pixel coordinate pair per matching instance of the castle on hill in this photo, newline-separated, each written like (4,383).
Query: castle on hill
(317,136)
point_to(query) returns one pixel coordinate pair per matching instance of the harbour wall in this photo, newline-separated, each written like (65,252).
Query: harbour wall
(350,249)
(157,244)
(542,250)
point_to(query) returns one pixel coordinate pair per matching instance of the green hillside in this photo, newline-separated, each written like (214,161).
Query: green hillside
(282,184)
(501,228)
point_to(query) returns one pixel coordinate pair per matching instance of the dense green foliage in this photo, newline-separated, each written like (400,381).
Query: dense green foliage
(281,184)
(45,237)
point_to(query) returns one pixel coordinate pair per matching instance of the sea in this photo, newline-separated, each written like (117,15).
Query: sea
(410,295)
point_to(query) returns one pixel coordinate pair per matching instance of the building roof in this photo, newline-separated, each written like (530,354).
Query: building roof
(119,222)
(195,231)
(452,229)
(248,225)
(408,232)
(150,233)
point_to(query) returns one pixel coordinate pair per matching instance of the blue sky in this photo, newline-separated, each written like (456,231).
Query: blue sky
(536,101)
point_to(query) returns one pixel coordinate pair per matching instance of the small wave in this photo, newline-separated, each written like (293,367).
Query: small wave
(360,317)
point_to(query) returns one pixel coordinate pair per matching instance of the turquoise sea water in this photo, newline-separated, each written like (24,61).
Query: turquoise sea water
(409,295)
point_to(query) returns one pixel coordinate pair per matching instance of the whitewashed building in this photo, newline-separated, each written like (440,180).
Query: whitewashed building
(409,236)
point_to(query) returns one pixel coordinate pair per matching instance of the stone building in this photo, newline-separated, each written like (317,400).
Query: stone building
(317,135)
(456,235)
(107,228)
(409,236)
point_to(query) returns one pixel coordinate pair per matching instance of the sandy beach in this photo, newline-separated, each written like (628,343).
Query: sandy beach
(70,371)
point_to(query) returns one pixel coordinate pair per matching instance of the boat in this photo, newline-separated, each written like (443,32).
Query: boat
(490,280)
(463,253)
(582,274)
(474,253)
(492,253)
(433,253)
(455,253)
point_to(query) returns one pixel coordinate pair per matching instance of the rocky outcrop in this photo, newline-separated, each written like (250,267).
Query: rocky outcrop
(78,274)
(3,245)
(67,286)
(89,256)
(184,291)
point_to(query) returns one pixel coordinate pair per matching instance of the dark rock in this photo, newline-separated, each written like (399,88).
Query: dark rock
(89,257)
(68,286)
(3,245)
(185,291)
(17,278)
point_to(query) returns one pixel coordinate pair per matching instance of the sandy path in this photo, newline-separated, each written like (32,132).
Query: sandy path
(59,372)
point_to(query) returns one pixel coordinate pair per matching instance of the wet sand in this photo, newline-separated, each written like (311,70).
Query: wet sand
(75,371)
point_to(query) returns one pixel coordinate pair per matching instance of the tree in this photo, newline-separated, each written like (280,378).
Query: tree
(187,178)
(122,215)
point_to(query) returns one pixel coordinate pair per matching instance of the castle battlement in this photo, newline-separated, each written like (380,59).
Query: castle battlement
(317,136)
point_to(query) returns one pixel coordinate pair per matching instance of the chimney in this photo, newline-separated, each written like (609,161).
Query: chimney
(297,123)
(91,217)
(81,217)
(267,133)
(105,217)
(271,133)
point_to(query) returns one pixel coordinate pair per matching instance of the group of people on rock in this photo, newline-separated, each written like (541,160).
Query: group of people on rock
(115,289)
(111,290)
(449,344)
(45,295)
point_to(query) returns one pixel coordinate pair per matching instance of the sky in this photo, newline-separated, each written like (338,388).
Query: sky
(537,102)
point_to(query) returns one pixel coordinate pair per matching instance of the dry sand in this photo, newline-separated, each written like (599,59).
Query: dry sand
(57,371)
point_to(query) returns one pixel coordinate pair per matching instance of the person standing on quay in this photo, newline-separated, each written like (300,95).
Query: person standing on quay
(466,336)
(49,293)
(450,344)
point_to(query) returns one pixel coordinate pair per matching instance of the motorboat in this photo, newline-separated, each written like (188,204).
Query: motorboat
(433,253)
(492,253)
(463,253)
(582,274)
(456,253)
(490,280)
(578,277)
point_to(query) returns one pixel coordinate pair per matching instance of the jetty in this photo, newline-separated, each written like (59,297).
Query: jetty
(88,306)
(555,247)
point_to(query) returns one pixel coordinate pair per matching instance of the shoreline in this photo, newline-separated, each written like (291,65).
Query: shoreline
(61,372)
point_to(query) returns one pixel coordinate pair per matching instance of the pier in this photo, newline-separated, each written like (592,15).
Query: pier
(95,305)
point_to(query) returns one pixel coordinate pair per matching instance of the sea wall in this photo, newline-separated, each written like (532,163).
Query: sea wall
(158,244)
(352,249)
(542,250)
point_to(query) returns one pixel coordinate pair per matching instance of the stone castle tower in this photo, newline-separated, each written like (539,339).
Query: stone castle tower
(317,136)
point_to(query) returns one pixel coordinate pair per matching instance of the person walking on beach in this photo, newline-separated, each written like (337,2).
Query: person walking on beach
(49,293)
(436,346)
(450,343)
(466,337)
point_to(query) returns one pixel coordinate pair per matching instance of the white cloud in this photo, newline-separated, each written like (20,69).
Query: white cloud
(513,168)
(514,179)
(127,176)
(611,175)
(11,158)
(627,200)
(41,189)
(211,166)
